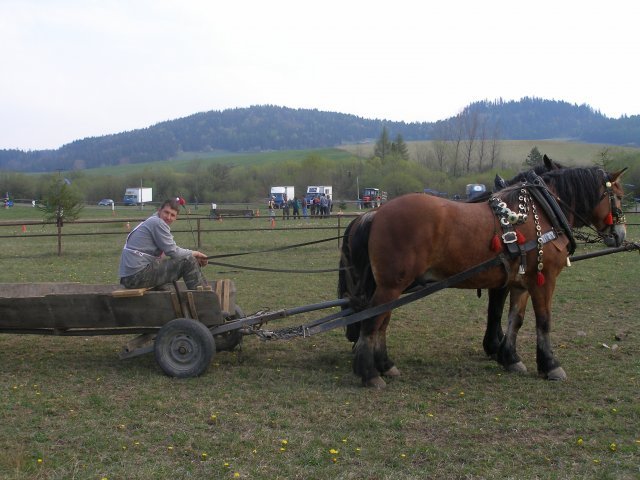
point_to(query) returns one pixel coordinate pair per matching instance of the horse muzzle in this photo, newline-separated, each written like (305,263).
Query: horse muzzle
(616,235)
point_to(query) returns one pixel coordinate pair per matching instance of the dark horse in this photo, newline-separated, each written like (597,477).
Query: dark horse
(416,239)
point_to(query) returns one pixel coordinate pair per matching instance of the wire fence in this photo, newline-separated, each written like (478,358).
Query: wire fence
(196,225)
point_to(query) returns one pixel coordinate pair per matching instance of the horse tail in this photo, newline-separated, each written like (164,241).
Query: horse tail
(355,280)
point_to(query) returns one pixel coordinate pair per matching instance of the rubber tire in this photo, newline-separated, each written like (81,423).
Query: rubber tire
(229,340)
(184,348)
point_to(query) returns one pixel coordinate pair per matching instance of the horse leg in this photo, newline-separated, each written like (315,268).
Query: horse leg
(507,355)
(548,366)
(493,334)
(381,358)
(370,351)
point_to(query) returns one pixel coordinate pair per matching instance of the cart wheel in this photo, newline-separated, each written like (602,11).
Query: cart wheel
(227,341)
(184,348)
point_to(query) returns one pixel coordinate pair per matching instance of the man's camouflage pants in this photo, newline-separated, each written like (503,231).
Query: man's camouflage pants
(167,270)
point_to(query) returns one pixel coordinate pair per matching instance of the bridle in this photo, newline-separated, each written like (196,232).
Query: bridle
(616,215)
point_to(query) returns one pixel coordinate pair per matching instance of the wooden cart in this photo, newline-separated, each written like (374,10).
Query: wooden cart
(175,325)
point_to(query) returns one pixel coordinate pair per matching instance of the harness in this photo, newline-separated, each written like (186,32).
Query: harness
(533,193)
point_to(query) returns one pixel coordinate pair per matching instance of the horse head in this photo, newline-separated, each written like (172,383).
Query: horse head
(608,217)
(591,196)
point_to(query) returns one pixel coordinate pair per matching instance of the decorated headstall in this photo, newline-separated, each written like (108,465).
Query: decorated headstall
(615,215)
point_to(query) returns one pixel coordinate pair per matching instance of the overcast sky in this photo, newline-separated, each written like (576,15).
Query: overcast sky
(72,69)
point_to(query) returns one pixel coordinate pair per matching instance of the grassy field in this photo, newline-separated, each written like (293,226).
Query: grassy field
(293,409)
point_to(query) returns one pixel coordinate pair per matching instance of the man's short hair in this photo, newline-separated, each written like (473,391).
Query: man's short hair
(172,203)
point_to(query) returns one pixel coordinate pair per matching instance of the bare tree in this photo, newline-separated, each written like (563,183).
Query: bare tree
(494,149)
(470,129)
(482,143)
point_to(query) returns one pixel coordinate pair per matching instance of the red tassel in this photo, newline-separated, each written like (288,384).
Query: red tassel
(520,237)
(496,245)
(608,220)
(540,279)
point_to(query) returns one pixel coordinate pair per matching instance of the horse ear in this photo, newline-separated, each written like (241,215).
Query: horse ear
(616,175)
(550,164)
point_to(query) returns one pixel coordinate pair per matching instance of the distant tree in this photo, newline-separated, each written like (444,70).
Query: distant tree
(383,145)
(604,158)
(534,158)
(62,202)
(400,148)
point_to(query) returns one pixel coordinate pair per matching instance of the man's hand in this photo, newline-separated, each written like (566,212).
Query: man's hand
(201,258)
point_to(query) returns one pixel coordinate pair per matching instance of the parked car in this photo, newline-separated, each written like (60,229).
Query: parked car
(105,202)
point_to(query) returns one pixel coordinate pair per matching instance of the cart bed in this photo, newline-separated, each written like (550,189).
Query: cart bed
(65,307)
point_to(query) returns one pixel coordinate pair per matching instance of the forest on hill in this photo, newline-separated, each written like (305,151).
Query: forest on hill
(267,127)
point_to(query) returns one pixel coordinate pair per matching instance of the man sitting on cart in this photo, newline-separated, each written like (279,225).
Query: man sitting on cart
(150,257)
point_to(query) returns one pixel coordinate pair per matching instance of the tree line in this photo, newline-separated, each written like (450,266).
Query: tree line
(447,165)
(268,127)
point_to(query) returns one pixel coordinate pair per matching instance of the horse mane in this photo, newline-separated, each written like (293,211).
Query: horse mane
(577,188)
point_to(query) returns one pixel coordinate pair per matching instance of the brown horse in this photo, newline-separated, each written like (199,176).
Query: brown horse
(417,239)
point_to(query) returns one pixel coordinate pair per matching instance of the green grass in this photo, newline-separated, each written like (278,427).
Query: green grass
(293,409)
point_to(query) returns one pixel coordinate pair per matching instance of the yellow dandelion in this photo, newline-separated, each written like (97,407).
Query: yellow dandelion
(136,443)
(613,447)
(213,417)
(344,440)
(461,394)
(596,461)
(236,475)
(284,441)
(254,451)
(333,451)
(614,410)
(124,447)
(39,460)
(170,448)
(282,449)
(121,426)
(358,450)
(402,455)
(203,456)
(579,442)
(226,464)
(429,414)
(334,460)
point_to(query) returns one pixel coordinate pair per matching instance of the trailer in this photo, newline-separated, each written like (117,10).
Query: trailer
(175,325)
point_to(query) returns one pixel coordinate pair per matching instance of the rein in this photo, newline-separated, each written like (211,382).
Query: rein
(277,249)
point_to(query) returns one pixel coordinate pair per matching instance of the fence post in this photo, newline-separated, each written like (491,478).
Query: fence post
(198,227)
(339,229)
(59,239)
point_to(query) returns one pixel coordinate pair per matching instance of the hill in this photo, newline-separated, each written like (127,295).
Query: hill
(267,127)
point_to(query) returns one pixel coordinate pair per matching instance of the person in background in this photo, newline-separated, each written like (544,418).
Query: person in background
(150,257)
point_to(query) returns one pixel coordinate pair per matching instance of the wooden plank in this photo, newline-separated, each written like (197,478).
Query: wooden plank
(129,292)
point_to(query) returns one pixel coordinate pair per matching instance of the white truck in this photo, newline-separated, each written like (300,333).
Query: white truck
(314,191)
(279,194)
(137,195)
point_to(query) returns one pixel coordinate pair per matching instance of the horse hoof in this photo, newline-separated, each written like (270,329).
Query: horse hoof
(392,372)
(375,382)
(517,367)
(557,374)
